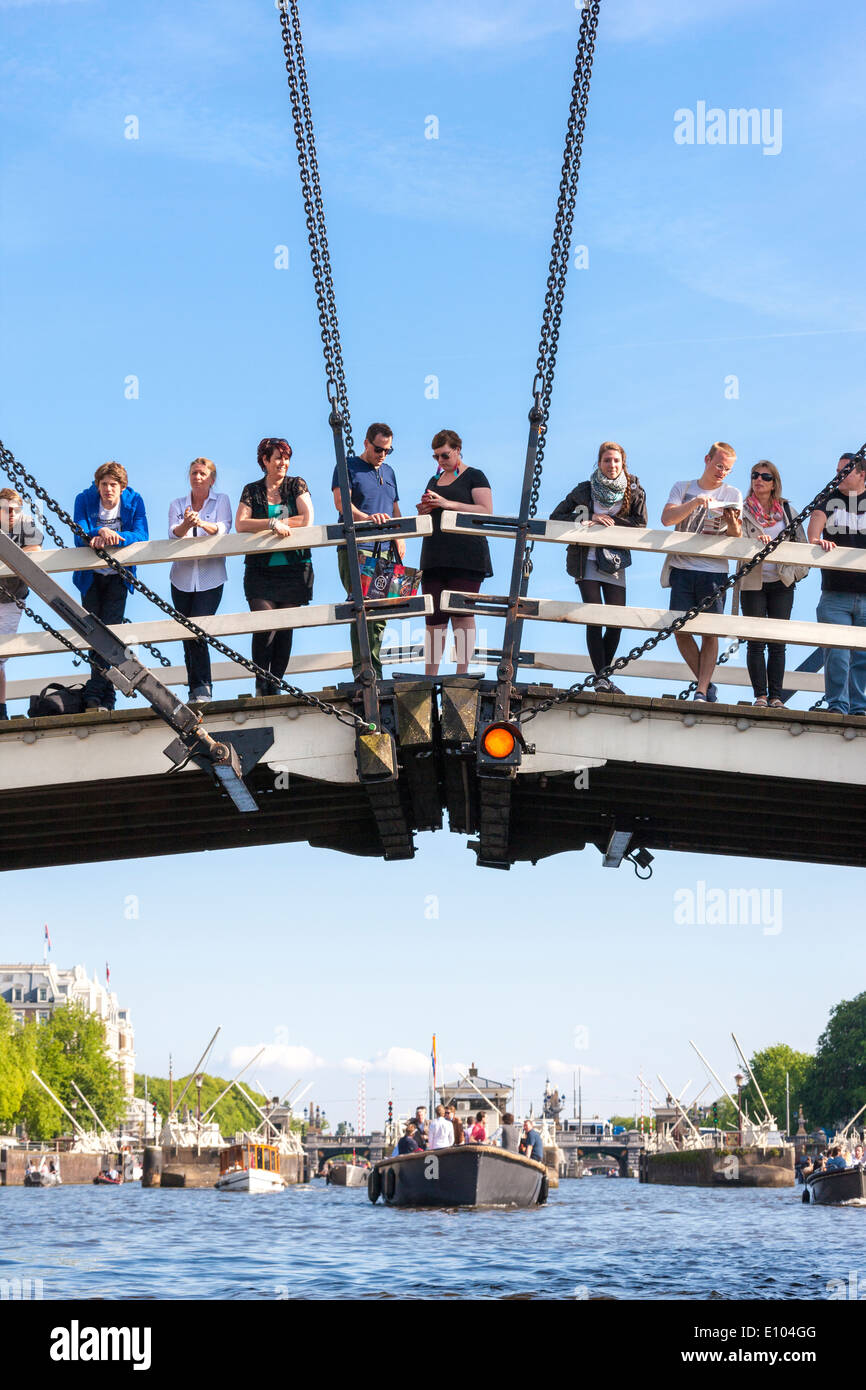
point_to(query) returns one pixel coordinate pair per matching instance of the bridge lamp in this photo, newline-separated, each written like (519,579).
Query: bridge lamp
(500,747)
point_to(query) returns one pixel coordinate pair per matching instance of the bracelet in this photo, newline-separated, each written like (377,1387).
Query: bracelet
(272,524)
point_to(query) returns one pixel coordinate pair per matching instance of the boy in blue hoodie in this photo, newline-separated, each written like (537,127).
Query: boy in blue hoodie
(110,513)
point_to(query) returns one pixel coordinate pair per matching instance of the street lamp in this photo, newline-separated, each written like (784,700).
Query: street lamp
(739,1080)
(198,1084)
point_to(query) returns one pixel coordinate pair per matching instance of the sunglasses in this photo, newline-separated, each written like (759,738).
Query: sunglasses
(767,477)
(445,454)
(377,449)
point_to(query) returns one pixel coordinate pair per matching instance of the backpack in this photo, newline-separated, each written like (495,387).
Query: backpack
(56,699)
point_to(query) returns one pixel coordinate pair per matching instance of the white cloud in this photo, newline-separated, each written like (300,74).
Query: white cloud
(404,1061)
(281,1056)
(554,1067)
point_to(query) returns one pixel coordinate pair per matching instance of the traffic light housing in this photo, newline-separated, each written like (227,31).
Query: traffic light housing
(715,1114)
(390,1112)
(499,748)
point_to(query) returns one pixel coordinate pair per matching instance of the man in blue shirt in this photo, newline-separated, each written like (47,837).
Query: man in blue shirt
(531,1145)
(374,498)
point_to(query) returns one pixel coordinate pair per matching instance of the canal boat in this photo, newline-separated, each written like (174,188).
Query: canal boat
(250,1167)
(347,1175)
(471,1175)
(837,1185)
(43,1177)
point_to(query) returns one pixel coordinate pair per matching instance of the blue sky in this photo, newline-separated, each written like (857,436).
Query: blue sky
(155,258)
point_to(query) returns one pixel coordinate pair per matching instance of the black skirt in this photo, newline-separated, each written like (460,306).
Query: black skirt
(287,586)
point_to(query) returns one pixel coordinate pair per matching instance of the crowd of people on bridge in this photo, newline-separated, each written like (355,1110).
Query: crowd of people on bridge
(110,513)
(448,1130)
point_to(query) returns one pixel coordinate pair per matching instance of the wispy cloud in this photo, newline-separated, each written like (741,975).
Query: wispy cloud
(279,1056)
(402,1061)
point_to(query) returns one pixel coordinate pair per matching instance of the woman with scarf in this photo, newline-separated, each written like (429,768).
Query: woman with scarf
(610,497)
(768,590)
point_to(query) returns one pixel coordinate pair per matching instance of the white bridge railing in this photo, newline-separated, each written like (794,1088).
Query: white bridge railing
(639,619)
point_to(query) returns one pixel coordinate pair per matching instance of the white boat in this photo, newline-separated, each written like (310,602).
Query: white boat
(250,1167)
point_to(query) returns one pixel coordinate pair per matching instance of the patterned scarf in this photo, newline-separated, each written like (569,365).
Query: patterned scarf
(608,491)
(763,517)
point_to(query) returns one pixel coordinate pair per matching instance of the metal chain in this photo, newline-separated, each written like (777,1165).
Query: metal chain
(542,386)
(314,209)
(13,468)
(702,607)
(725,657)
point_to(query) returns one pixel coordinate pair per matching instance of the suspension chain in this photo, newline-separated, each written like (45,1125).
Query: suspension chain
(679,622)
(545,367)
(15,470)
(314,209)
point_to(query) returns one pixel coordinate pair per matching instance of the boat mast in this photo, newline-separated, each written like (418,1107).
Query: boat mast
(753,1079)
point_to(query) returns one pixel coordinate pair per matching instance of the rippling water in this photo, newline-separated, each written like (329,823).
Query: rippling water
(594,1239)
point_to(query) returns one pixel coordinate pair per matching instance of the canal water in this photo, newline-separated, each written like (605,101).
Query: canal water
(596,1238)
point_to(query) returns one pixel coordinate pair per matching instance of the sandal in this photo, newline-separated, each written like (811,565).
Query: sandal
(777,704)
(762,701)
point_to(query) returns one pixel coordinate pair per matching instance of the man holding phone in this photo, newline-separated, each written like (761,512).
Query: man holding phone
(710,507)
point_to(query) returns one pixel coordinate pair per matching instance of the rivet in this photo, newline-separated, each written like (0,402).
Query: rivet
(28,738)
(240,716)
(293,712)
(636,716)
(581,710)
(849,733)
(133,728)
(796,729)
(743,725)
(82,733)
(689,720)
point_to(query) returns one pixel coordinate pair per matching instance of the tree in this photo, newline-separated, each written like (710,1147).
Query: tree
(232,1114)
(70,1046)
(769,1066)
(17,1056)
(835,1087)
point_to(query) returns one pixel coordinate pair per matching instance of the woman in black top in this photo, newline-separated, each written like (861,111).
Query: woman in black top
(278,503)
(610,497)
(452,559)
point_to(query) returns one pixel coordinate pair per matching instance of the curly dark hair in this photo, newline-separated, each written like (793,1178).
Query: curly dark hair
(267,447)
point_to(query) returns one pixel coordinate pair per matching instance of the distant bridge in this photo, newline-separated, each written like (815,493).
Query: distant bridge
(619,772)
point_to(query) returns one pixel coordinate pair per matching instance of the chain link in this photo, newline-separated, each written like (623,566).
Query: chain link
(14,469)
(545,367)
(679,622)
(314,209)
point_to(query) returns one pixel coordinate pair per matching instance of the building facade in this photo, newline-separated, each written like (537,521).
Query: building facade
(473,1093)
(35,991)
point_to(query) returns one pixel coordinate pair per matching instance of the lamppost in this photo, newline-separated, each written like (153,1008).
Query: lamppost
(739,1080)
(198,1084)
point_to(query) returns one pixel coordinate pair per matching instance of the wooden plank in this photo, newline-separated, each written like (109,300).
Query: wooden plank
(657,619)
(212,547)
(676,543)
(221,625)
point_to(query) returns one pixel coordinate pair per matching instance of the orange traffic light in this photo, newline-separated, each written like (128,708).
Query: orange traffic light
(498,741)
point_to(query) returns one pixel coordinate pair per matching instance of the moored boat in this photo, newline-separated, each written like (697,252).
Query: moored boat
(250,1167)
(347,1175)
(837,1185)
(471,1175)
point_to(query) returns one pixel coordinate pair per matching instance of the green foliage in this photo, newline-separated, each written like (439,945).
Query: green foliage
(17,1056)
(70,1046)
(769,1067)
(835,1086)
(627,1121)
(232,1114)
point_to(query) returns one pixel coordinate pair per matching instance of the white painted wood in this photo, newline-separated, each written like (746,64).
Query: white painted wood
(671,542)
(246,543)
(707,624)
(221,625)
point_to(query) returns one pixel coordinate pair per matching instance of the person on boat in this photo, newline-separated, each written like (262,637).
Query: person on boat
(843,592)
(451,1114)
(836,1160)
(197,585)
(532,1145)
(857,1159)
(478,1132)
(421,1126)
(277,502)
(767,591)
(374,496)
(452,559)
(441,1135)
(407,1143)
(506,1135)
(611,496)
(21,527)
(710,506)
(110,513)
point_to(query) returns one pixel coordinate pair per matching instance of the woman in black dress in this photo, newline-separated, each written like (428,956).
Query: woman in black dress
(452,559)
(278,503)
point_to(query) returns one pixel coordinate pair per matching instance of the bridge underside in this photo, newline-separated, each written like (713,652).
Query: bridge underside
(722,780)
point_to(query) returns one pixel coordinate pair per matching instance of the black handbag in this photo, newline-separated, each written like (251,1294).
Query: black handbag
(56,699)
(609,561)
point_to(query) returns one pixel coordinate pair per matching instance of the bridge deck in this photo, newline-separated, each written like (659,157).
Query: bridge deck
(714,779)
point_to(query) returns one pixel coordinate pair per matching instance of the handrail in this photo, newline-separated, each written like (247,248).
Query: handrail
(163,552)
(662,542)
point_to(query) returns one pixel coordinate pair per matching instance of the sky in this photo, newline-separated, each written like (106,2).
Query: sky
(722,297)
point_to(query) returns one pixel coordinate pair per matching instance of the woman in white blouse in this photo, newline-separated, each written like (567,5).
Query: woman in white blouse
(197,585)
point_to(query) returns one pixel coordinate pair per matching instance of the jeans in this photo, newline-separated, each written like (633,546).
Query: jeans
(772,600)
(375,630)
(200,603)
(105,599)
(844,670)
